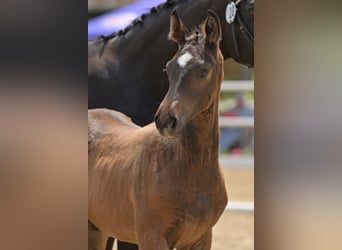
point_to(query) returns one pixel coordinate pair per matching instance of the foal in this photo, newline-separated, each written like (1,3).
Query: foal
(160,186)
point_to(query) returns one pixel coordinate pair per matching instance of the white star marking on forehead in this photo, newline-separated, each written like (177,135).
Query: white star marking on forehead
(184,59)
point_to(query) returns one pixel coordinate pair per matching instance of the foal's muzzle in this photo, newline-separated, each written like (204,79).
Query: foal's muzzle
(166,125)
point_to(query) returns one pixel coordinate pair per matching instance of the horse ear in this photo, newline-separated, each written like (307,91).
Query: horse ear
(176,29)
(212,28)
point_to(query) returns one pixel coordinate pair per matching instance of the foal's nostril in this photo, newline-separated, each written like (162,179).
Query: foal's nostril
(172,122)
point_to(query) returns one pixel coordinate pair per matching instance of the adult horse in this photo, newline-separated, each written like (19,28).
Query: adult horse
(160,185)
(125,69)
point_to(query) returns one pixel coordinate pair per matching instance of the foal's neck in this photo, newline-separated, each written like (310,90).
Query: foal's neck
(201,136)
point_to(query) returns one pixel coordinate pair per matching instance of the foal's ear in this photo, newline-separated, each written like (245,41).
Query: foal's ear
(212,28)
(176,29)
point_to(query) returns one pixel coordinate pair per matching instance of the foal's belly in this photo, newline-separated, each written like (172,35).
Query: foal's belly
(115,222)
(110,205)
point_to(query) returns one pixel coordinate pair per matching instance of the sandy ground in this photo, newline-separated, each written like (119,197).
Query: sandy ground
(235,230)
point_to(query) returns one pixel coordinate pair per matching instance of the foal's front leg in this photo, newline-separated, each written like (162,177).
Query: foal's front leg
(204,243)
(152,242)
(96,239)
(149,237)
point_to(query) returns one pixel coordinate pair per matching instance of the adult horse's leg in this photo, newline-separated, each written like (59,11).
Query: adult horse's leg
(96,239)
(126,246)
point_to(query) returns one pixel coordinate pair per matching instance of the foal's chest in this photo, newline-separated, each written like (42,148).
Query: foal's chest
(193,205)
(190,219)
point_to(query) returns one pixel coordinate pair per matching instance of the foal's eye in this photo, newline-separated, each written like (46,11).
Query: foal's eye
(203,72)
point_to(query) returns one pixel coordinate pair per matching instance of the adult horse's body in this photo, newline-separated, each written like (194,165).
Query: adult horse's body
(160,185)
(125,69)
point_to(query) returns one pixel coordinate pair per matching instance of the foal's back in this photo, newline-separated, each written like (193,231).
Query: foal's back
(104,120)
(112,135)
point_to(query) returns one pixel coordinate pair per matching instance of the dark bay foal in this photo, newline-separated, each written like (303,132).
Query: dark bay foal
(160,186)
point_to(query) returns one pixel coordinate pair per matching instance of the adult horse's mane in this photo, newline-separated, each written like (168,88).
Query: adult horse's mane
(139,20)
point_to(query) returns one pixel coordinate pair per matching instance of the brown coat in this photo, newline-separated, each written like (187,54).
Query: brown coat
(160,185)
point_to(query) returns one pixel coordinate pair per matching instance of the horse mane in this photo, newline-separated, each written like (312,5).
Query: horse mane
(137,21)
(142,17)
